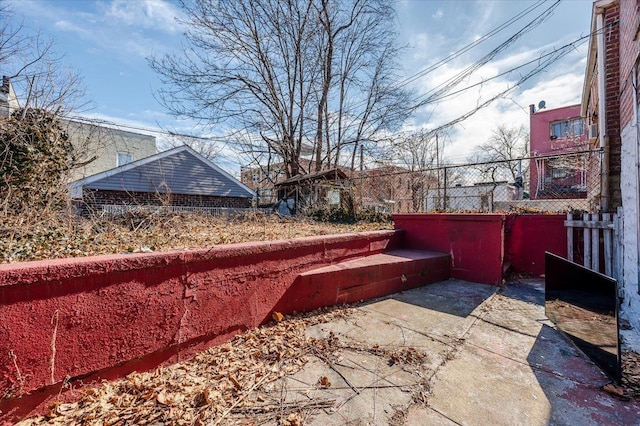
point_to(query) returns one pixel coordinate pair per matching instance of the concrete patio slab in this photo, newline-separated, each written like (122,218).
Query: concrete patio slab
(488,389)
(488,356)
(450,353)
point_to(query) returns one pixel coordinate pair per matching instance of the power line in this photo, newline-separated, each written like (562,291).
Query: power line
(103,122)
(471,45)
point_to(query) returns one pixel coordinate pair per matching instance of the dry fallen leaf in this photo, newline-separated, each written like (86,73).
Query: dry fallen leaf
(293,419)
(324,381)
(235,382)
(162,398)
(277,316)
(613,390)
(203,398)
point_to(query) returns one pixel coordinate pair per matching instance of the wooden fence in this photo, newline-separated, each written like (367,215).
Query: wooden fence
(600,241)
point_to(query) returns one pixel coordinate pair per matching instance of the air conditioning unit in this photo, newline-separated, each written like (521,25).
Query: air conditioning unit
(593,132)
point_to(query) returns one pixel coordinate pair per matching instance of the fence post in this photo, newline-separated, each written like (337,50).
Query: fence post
(608,245)
(618,248)
(595,244)
(569,237)
(587,242)
(444,199)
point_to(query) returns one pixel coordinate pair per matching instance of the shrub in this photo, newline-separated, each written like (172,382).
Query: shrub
(35,154)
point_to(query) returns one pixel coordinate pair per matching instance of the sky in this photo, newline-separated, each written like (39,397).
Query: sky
(108,42)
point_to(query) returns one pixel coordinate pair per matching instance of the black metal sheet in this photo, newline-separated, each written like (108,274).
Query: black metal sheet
(584,305)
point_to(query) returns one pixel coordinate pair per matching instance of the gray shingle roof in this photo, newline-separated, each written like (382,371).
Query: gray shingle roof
(178,171)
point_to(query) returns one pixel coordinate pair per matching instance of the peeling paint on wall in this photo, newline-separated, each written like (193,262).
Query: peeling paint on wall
(630,308)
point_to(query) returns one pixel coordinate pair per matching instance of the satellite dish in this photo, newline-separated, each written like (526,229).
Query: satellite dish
(542,105)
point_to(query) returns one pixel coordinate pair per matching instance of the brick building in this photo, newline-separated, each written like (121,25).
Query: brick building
(627,160)
(393,189)
(600,97)
(611,103)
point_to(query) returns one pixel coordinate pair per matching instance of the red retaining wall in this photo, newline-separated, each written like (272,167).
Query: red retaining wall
(114,314)
(483,246)
(474,241)
(365,278)
(527,237)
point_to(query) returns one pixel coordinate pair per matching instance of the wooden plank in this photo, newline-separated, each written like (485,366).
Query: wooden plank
(569,237)
(608,248)
(599,224)
(595,246)
(618,247)
(587,243)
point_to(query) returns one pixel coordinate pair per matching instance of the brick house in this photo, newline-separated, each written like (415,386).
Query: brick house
(554,134)
(180,178)
(600,97)
(628,159)
(611,103)
(392,189)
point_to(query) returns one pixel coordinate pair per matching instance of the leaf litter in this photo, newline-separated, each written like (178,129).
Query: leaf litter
(58,235)
(227,384)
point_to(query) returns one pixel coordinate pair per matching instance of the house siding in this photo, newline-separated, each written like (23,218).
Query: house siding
(179,173)
(102,144)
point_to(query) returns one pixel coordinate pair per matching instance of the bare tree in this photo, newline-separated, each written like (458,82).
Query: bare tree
(500,153)
(207,147)
(419,153)
(269,68)
(37,73)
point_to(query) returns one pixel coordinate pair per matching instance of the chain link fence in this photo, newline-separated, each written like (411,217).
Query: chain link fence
(559,183)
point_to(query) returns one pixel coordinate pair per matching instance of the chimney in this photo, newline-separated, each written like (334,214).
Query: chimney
(532,109)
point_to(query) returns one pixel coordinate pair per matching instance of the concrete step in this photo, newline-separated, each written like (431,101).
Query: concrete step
(364,278)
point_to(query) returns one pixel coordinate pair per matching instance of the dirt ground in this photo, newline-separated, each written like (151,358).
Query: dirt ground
(36,237)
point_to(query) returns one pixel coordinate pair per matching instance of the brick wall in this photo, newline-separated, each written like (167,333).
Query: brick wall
(98,197)
(612,100)
(629,48)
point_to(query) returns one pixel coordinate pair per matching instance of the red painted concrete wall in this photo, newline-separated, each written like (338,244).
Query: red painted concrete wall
(527,237)
(73,317)
(365,278)
(474,241)
(484,246)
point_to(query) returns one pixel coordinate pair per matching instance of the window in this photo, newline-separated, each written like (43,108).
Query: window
(124,158)
(333,197)
(567,128)
(559,172)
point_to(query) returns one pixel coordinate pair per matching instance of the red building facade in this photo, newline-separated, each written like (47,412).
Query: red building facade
(554,135)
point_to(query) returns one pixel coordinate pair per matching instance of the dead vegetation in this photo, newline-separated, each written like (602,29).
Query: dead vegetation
(240,382)
(50,235)
(631,373)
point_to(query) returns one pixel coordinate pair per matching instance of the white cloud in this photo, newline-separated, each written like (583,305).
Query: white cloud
(124,28)
(438,14)
(68,26)
(559,85)
(152,14)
